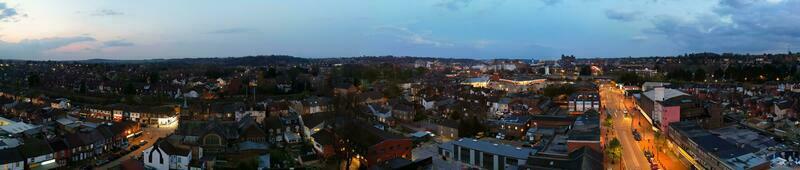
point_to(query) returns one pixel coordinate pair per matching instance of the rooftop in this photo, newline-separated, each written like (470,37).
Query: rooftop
(668,93)
(586,127)
(741,135)
(495,148)
(709,142)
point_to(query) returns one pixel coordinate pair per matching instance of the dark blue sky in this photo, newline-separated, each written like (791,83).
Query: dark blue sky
(116,29)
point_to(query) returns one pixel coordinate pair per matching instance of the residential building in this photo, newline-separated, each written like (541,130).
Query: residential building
(37,154)
(11,159)
(581,102)
(370,144)
(165,155)
(514,125)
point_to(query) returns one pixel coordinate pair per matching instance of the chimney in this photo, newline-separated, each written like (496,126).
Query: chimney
(659,94)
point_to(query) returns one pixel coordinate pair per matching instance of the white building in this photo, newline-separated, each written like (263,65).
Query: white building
(164,155)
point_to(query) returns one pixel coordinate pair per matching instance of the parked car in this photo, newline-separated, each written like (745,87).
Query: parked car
(637,135)
(134,147)
(142,142)
(648,154)
(654,166)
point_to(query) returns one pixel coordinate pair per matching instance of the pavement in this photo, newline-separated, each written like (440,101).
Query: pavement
(633,151)
(431,149)
(150,134)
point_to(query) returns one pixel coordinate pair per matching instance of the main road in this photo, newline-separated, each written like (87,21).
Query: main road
(633,151)
(632,155)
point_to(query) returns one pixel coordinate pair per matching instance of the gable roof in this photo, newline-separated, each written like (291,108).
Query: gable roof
(668,94)
(583,159)
(171,149)
(323,137)
(364,135)
(495,148)
(9,155)
(34,147)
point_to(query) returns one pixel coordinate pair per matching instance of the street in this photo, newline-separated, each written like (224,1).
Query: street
(149,134)
(633,156)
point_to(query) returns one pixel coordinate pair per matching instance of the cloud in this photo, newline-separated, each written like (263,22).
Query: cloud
(117,43)
(30,48)
(551,2)
(625,16)
(412,37)
(454,5)
(736,26)
(482,44)
(106,12)
(8,14)
(542,50)
(640,38)
(230,31)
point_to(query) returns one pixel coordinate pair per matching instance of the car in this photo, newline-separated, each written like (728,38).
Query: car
(142,143)
(654,166)
(500,136)
(648,154)
(637,135)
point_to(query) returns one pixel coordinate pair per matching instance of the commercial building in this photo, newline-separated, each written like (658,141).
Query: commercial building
(662,106)
(585,132)
(710,151)
(474,153)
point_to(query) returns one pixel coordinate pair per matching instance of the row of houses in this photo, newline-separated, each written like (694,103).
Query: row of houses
(75,144)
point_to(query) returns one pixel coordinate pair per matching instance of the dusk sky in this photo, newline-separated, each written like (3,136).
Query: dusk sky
(543,29)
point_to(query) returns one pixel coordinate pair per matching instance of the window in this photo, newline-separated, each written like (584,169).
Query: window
(212,139)
(464,155)
(511,161)
(488,161)
(476,154)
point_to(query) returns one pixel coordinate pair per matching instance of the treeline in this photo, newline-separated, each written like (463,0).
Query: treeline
(738,73)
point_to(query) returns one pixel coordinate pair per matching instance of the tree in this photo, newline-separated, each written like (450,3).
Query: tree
(586,70)
(392,91)
(630,78)
(469,127)
(660,139)
(557,90)
(614,150)
(129,89)
(251,163)
(719,73)
(154,77)
(33,80)
(699,75)
(679,75)
(419,116)
(608,121)
(271,73)
(82,89)
(214,73)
